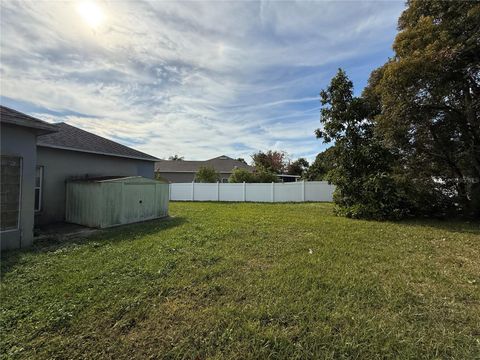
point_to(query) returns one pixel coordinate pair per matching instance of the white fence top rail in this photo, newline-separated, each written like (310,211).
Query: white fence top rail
(254,192)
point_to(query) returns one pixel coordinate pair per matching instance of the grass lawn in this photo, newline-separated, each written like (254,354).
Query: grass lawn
(248,281)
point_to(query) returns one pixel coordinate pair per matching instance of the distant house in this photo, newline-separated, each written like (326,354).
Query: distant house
(288,178)
(37,160)
(180,171)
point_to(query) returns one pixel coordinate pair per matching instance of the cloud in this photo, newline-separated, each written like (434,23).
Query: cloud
(197,79)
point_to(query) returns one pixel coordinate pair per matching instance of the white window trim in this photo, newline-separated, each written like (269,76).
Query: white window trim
(39,188)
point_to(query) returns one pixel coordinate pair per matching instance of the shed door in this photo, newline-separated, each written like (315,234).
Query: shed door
(139,201)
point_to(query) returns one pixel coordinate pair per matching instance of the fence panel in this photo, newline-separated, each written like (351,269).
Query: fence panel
(231,192)
(318,191)
(205,192)
(181,192)
(258,192)
(288,192)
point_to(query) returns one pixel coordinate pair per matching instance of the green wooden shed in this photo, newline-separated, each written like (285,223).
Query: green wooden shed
(110,201)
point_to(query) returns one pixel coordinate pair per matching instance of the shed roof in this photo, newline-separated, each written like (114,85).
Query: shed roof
(14,117)
(72,138)
(222,164)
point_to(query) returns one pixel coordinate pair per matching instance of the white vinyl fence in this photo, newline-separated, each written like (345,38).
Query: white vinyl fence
(255,192)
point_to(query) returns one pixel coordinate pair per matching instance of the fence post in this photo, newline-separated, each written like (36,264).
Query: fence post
(244,192)
(169,191)
(303,191)
(273,191)
(218,191)
(193,190)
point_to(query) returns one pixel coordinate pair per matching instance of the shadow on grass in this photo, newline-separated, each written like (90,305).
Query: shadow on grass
(104,237)
(450,225)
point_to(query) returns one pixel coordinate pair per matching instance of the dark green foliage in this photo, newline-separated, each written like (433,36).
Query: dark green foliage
(365,187)
(430,100)
(207,174)
(259,176)
(324,162)
(297,167)
(414,134)
(265,176)
(378,197)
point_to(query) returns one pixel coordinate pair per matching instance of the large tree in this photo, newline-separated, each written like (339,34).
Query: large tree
(429,97)
(324,162)
(272,161)
(363,166)
(297,167)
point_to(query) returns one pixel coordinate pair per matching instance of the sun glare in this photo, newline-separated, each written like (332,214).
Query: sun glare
(91,13)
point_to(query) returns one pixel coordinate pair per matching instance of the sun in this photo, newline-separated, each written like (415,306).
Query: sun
(91,13)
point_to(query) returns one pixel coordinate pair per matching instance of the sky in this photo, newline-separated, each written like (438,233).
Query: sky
(197,79)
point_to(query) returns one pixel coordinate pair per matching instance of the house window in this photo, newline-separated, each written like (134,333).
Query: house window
(10,188)
(38,188)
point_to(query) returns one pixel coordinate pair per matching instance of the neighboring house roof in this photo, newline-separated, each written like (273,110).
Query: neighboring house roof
(14,117)
(222,164)
(72,138)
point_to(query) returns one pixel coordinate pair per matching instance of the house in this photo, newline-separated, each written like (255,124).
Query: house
(19,134)
(37,160)
(181,171)
(288,178)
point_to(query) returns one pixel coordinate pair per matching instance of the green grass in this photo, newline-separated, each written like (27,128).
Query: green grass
(248,281)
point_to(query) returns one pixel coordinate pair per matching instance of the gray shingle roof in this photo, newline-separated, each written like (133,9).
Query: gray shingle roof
(222,164)
(70,137)
(10,116)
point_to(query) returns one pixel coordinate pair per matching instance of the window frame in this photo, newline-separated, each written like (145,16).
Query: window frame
(39,188)
(20,185)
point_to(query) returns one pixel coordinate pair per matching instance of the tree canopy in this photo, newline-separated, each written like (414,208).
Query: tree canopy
(429,96)
(323,163)
(297,167)
(364,186)
(410,144)
(175,157)
(272,161)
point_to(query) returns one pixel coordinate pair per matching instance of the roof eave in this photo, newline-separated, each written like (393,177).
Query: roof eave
(42,129)
(95,152)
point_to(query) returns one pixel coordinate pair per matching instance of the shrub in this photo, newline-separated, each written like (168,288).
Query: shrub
(240,175)
(207,174)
